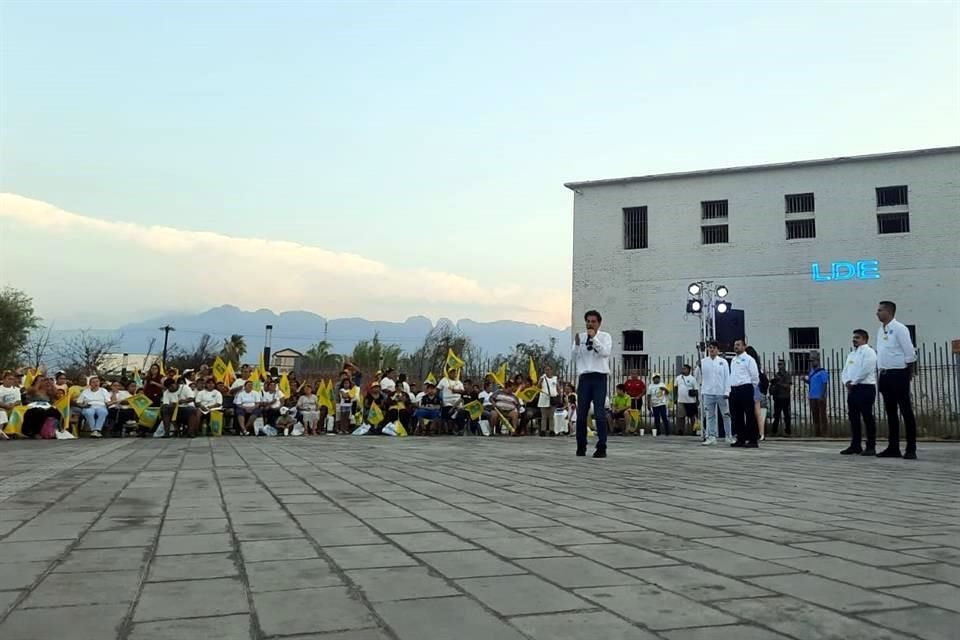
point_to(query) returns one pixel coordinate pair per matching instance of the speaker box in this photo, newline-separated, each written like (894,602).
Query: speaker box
(730,327)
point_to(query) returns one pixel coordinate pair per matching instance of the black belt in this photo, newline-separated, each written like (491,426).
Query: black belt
(889,370)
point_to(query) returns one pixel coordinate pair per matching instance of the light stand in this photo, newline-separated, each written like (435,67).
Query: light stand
(707,299)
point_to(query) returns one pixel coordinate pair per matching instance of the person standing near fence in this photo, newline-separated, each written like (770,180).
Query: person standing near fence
(780,390)
(714,375)
(817,380)
(744,379)
(896,358)
(591,352)
(685,386)
(859,376)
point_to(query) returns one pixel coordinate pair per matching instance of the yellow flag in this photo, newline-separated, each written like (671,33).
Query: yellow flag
(284,386)
(139,403)
(254,376)
(15,421)
(219,369)
(506,422)
(375,415)
(28,377)
(475,409)
(400,431)
(149,417)
(261,367)
(229,375)
(216,423)
(529,394)
(453,361)
(500,377)
(431,379)
(74,392)
(532,372)
(63,406)
(163,372)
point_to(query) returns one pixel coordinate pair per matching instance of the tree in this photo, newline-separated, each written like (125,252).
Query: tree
(371,355)
(432,354)
(182,359)
(233,349)
(17,320)
(85,354)
(518,360)
(37,346)
(319,357)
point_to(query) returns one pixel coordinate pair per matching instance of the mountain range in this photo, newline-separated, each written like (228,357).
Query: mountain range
(300,330)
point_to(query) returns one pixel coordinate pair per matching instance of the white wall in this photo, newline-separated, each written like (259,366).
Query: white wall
(769,276)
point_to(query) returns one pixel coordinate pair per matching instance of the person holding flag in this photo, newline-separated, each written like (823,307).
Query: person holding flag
(451,391)
(548,400)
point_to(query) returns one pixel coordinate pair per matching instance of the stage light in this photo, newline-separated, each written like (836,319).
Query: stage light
(694,306)
(722,291)
(694,288)
(723,307)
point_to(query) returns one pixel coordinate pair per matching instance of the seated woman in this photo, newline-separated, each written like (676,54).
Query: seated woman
(246,405)
(207,400)
(119,413)
(309,410)
(505,404)
(93,406)
(271,400)
(9,398)
(169,404)
(39,401)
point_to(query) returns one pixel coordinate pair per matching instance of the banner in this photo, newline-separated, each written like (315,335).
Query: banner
(529,394)
(139,403)
(375,415)
(453,361)
(219,369)
(14,420)
(149,417)
(475,409)
(216,423)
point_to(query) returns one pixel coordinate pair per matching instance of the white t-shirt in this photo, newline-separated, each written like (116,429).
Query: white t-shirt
(484,397)
(206,399)
(450,391)
(684,384)
(657,392)
(90,398)
(9,395)
(247,399)
(171,397)
(238,384)
(122,396)
(274,398)
(186,393)
(548,387)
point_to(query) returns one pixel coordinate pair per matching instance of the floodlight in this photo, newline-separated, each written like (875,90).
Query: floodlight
(694,288)
(722,291)
(723,307)
(694,306)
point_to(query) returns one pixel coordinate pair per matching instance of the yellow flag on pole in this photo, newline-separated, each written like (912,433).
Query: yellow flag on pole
(15,421)
(261,367)
(474,408)
(453,361)
(375,415)
(532,372)
(229,375)
(529,394)
(500,377)
(139,403)
(28,377)
(284,386)
(431,379)
(219,369)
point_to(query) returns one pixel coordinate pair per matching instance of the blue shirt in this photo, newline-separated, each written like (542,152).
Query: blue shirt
(818,379)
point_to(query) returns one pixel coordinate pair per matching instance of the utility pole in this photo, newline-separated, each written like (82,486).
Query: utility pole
(267,339)
(166,334)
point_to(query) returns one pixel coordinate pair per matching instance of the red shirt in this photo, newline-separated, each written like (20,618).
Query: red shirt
(635,387)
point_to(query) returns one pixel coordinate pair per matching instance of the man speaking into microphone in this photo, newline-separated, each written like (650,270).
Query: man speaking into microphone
(591,353)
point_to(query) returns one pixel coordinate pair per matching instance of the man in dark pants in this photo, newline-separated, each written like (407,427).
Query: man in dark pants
(591,352)
(744,377)
(859,376)
(896,358)
(780,390)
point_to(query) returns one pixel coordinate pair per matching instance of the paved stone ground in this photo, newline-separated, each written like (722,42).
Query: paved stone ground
(342,538)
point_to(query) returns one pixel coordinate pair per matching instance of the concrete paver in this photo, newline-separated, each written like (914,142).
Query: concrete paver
(342,538)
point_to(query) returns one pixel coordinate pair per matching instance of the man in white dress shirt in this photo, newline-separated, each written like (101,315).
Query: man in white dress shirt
(895,361)
(744,377)
(714,377)
(859,376)
(591,352)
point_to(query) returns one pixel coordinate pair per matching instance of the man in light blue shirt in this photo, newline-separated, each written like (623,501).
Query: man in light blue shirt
(817,380)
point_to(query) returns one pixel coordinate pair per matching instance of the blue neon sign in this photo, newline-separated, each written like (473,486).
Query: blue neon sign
(860,270)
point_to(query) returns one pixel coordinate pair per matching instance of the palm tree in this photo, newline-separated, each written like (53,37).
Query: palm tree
(233,349)
(319,356)
(373,354)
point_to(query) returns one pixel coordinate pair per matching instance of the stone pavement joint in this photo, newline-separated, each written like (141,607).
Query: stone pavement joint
(343,538)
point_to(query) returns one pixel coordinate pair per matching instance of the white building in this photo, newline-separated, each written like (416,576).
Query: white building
(807,249)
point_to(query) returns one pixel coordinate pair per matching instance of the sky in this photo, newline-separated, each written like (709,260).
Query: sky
(390,159)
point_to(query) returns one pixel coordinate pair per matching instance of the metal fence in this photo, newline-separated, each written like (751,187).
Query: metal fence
(935,389)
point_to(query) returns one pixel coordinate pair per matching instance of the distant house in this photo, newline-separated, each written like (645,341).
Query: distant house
(285,360)
(117,363)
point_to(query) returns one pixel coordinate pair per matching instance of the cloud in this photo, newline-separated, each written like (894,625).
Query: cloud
(254,273)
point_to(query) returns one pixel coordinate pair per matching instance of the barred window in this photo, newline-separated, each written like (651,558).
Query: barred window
(712,209)
(797,229)
(715,234)
(635,228)
(804,337)
(893,222)
(799,202)
(636,362)
(633,340)
(892,196)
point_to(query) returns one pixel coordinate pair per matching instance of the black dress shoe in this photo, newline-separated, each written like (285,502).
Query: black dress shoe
(910,455)
(751,445)
(869,451)
(601,452)
(738,443)
(889,453)
(851,450)
(581,452)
